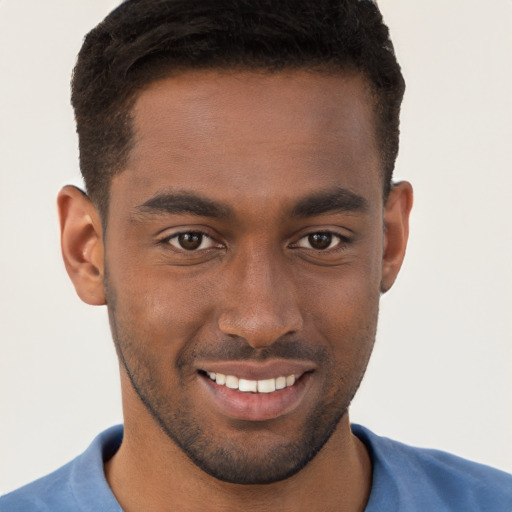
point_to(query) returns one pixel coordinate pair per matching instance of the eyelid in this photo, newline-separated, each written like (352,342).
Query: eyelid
(166,240)
(342,240)
(205,240)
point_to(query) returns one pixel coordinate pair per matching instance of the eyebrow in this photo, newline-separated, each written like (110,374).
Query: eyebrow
(183,202)
(318,203)
(330,201)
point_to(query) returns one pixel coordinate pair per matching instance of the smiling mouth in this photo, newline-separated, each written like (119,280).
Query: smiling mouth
(253,386)
(255,392)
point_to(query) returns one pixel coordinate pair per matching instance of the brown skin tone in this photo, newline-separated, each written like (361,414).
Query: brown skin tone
(263,148)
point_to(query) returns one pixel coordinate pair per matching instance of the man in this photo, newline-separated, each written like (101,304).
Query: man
(240,224)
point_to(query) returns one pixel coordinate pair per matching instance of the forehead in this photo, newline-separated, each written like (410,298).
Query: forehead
(256,133)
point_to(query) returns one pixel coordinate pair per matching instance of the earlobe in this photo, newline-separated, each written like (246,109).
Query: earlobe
(396,225)
(82,244)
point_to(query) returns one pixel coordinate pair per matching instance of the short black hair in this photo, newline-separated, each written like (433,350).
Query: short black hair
(144,40)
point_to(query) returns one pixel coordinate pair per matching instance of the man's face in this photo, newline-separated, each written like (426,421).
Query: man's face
(244,243)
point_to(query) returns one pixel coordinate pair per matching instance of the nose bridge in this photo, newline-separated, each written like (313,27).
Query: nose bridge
(260,298)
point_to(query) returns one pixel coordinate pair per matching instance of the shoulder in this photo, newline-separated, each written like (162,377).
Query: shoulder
(420,479)
(40,495)
(80,482)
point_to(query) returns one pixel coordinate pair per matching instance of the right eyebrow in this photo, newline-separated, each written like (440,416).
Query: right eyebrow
(182,202)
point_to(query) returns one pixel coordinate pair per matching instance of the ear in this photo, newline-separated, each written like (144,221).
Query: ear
(396,232)
(82,244)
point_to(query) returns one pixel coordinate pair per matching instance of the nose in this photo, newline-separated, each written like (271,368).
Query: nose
(260,303)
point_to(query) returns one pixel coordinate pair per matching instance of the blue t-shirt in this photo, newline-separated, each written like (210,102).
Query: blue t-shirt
(405,479)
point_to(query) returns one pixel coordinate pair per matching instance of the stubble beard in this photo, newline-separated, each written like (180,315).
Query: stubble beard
(220,456)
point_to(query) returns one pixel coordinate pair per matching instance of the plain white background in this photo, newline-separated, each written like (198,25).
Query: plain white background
(441,371)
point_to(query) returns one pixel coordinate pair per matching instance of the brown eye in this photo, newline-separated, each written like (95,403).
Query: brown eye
(320,241)
(191,241)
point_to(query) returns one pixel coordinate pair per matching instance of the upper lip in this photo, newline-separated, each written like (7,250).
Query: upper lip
(253,370)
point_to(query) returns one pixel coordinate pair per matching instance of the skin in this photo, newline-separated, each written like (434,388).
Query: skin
(270,151)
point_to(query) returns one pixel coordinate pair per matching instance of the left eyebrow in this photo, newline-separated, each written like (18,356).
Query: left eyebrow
(330,201)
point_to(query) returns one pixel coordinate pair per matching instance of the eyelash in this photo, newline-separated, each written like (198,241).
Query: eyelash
(341,241)
(340,245)
(204,236)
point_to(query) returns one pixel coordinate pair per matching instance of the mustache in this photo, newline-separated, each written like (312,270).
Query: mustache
(237,349)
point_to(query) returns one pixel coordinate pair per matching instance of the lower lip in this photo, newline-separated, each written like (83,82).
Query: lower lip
(257,406)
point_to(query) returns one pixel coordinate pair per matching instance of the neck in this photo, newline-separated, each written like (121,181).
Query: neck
(150,473)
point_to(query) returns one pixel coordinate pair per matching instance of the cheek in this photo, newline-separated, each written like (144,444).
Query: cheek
(162,309)
(344,310)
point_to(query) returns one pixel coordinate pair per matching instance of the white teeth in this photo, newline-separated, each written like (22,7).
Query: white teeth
(280,382)
(252,386)
(231,382)
(266,386)
(248,385)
